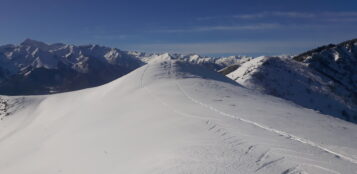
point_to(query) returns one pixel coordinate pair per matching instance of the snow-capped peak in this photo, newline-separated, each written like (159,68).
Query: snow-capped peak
(34,43)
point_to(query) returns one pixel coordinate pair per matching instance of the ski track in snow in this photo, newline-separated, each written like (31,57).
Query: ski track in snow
(279,132)
(262,160)
(232,141)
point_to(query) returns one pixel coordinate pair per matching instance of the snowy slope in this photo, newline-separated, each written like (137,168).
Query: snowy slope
(338,64)
(323,79)
(294,81)
(172,117)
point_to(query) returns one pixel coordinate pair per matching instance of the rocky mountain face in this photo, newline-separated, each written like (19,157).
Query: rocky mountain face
(35,67)
(323,79)
(338,63)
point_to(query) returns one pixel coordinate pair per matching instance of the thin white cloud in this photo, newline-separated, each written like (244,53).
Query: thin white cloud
(251,16)
(289,14)
(294,14)
(252,47)
(260,26)
(347,19)
(111,37)
(248,27)
(341,14)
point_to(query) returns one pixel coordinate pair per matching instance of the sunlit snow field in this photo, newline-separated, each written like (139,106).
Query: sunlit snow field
(172,117)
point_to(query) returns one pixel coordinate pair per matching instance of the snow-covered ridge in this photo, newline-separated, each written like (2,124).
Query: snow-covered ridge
(337,63)
(191,120)
(323,79)
(213,63)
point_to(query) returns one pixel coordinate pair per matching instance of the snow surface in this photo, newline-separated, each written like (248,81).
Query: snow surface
(296,82)
(172,117)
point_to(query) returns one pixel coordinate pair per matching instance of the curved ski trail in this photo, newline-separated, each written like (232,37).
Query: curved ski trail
(279,132)
(235,144)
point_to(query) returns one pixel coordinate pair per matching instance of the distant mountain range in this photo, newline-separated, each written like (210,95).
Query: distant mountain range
(323,79)
(35,67)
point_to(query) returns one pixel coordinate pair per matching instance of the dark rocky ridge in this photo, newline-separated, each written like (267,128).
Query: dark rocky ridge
(338,63)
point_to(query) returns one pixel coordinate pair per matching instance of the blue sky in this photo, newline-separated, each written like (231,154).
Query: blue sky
(208,27)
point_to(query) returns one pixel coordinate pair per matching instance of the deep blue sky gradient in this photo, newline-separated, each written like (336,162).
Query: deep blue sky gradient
(208,27)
